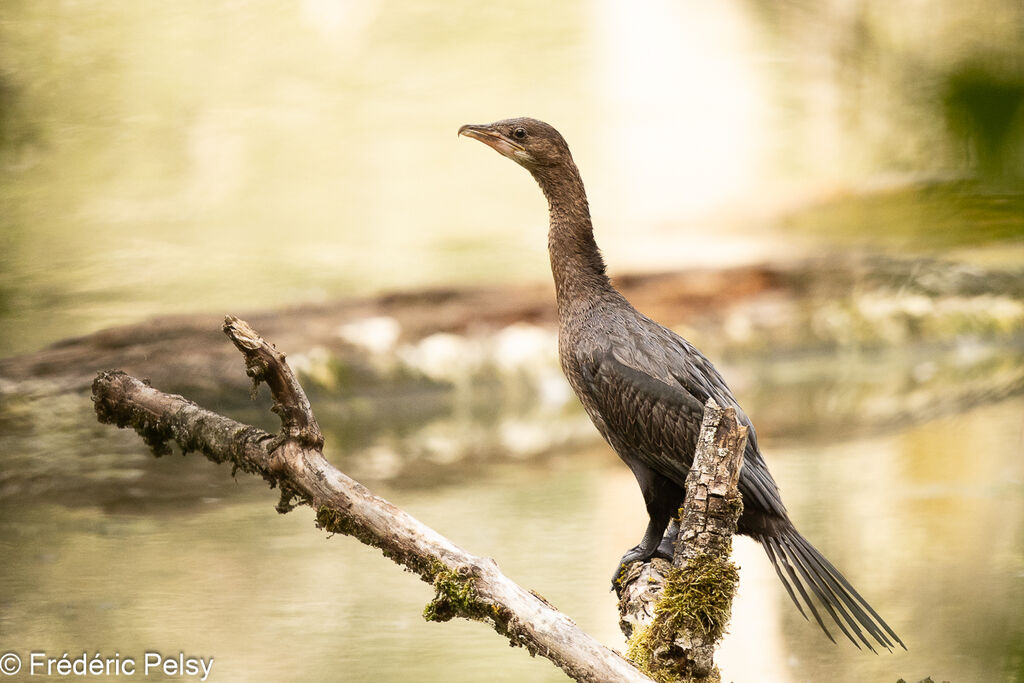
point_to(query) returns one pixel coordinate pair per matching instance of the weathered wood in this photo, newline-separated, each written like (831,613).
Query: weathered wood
(675,614)
(265,363)
(713,502)
(466,585)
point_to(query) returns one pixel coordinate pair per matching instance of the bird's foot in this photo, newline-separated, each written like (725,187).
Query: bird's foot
(632,555)
(639,553)
(667,547)
(664,550)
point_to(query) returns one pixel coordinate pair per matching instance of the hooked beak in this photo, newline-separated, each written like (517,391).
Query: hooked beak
(492,138)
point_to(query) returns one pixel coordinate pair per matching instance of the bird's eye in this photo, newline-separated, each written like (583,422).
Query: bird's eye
(519,133)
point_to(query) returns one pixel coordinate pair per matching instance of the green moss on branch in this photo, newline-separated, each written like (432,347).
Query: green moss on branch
(695,604)
(698,596)
(455,596)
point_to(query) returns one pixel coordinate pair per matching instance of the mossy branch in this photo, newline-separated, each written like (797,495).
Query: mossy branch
(465,585)
(674,616)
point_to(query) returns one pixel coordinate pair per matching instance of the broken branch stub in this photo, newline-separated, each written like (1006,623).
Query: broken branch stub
(264,363)
(675,614)
(465,585)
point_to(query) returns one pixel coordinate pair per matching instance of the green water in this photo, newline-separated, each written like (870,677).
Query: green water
(926,520)
(233,156)
(905,470)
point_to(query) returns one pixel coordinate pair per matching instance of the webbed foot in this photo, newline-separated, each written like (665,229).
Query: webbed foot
(632,555)
(665,549)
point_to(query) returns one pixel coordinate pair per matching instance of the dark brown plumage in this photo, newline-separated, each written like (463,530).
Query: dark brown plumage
(645,387)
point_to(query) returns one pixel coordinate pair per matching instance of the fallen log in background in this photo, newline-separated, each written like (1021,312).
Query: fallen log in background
(465,585)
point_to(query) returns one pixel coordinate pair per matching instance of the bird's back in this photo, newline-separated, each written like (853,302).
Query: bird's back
(645,387)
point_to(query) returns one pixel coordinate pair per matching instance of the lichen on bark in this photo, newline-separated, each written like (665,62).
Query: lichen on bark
(692,601)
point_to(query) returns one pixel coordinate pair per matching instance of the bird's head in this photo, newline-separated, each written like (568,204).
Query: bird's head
(530,143)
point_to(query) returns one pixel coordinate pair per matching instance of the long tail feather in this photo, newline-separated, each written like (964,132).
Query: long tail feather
(827,598)
(801,567)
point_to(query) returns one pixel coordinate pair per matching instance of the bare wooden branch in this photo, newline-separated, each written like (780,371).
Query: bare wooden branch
(675,614)
(713,502)
(465,585)
(264,363)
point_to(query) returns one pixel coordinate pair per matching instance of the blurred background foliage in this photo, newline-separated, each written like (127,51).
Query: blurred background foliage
(853,170)
(156,158)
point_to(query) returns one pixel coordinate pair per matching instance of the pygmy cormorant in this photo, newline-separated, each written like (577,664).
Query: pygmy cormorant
(645,387)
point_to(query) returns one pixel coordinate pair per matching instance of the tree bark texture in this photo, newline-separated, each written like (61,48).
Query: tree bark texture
(675,614)
(466,585)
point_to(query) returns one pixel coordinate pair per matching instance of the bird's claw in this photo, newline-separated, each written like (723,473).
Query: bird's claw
(665,550)
(667,547)
(631,556)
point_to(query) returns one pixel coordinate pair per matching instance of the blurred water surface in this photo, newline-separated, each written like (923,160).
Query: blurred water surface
(241,155)
(230,156)
(925,520)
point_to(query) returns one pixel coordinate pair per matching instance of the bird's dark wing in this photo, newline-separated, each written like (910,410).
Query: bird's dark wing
(696,375)
(654,421)
(659,423)
(657,365)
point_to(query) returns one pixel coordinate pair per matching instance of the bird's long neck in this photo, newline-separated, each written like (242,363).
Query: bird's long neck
(576,262)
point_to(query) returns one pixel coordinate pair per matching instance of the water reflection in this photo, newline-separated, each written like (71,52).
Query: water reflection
(933,539)
(148,165)
(920,503)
